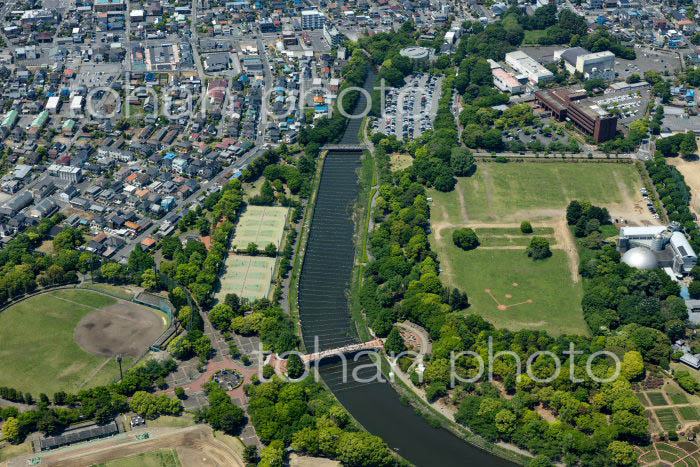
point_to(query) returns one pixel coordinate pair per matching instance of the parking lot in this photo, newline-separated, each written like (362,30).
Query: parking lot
(647,60)
(630,106)
(410,110)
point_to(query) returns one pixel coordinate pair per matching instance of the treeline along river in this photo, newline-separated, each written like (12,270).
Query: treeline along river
(325,317)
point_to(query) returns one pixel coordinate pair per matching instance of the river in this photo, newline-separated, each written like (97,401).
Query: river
(324,311)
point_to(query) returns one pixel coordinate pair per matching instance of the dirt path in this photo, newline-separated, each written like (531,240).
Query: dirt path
(487,184)
(463,205)
(566,242)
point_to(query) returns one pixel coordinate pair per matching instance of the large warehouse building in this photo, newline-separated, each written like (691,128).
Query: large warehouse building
(657,246)
(528,66)
(571,105)
(590,65)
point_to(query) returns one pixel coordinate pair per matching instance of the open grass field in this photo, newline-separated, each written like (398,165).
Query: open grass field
(493,237)
(535,294)
(525,191)
(261,225)
(160,458)
(246,276)
(65,340)
(667,418)
(657,398)
(8,451)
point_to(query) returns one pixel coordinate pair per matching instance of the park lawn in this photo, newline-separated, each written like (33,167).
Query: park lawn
(400,161)
(533,36)
(514,192)
(486,231)
(181,421)
(556,299)
(13,450)
(160,458)
(117,290)
(37,347)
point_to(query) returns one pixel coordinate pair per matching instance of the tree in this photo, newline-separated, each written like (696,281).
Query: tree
(11,430)
(180,393)
(394,342)
(272,455)
(694,289)
(632,365)
(270,250)
(252,249)
(221,316)
(539,248)
(526,227)
(295,366)
(689,145)
(462,162)
(250,454)
(233,301)
(362,449)
(149,280)
(465,238)
(622,453)
(111,272)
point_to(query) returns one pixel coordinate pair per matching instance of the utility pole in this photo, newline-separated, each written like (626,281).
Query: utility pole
(121,374)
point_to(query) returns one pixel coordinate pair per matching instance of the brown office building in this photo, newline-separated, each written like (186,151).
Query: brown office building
(572,105)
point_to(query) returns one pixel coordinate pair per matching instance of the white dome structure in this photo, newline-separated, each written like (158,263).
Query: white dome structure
(640,258)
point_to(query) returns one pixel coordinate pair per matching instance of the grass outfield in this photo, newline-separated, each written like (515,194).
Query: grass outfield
(556,299)
(160,458)
(514,192)
(37,347)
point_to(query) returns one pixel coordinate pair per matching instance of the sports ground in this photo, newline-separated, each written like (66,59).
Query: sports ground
(261,225)
(66,340)
(505,286)
(247,276)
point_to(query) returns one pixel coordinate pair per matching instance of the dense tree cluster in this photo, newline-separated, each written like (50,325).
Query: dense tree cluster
(680,143)
(22,268)
(101,403)
(221,413)
(675,196)
(306,417)
(567,27)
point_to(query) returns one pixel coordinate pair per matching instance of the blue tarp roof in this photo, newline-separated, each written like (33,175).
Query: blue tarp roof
(170,155)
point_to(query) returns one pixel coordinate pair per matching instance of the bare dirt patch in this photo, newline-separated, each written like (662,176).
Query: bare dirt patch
(400,161)
(194,445)
(123,328)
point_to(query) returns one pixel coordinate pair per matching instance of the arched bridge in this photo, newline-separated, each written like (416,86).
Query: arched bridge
(280,364)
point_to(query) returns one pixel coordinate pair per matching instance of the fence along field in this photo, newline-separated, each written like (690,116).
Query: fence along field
(261,225)
(40,340)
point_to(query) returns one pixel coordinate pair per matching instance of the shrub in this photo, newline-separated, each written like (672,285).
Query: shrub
(539,248)
(465,239)
(526,227)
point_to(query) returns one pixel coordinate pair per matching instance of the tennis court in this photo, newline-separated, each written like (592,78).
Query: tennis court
(261,225)
(246,276)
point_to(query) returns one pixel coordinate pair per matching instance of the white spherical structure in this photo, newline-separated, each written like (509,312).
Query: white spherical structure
(640,258)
